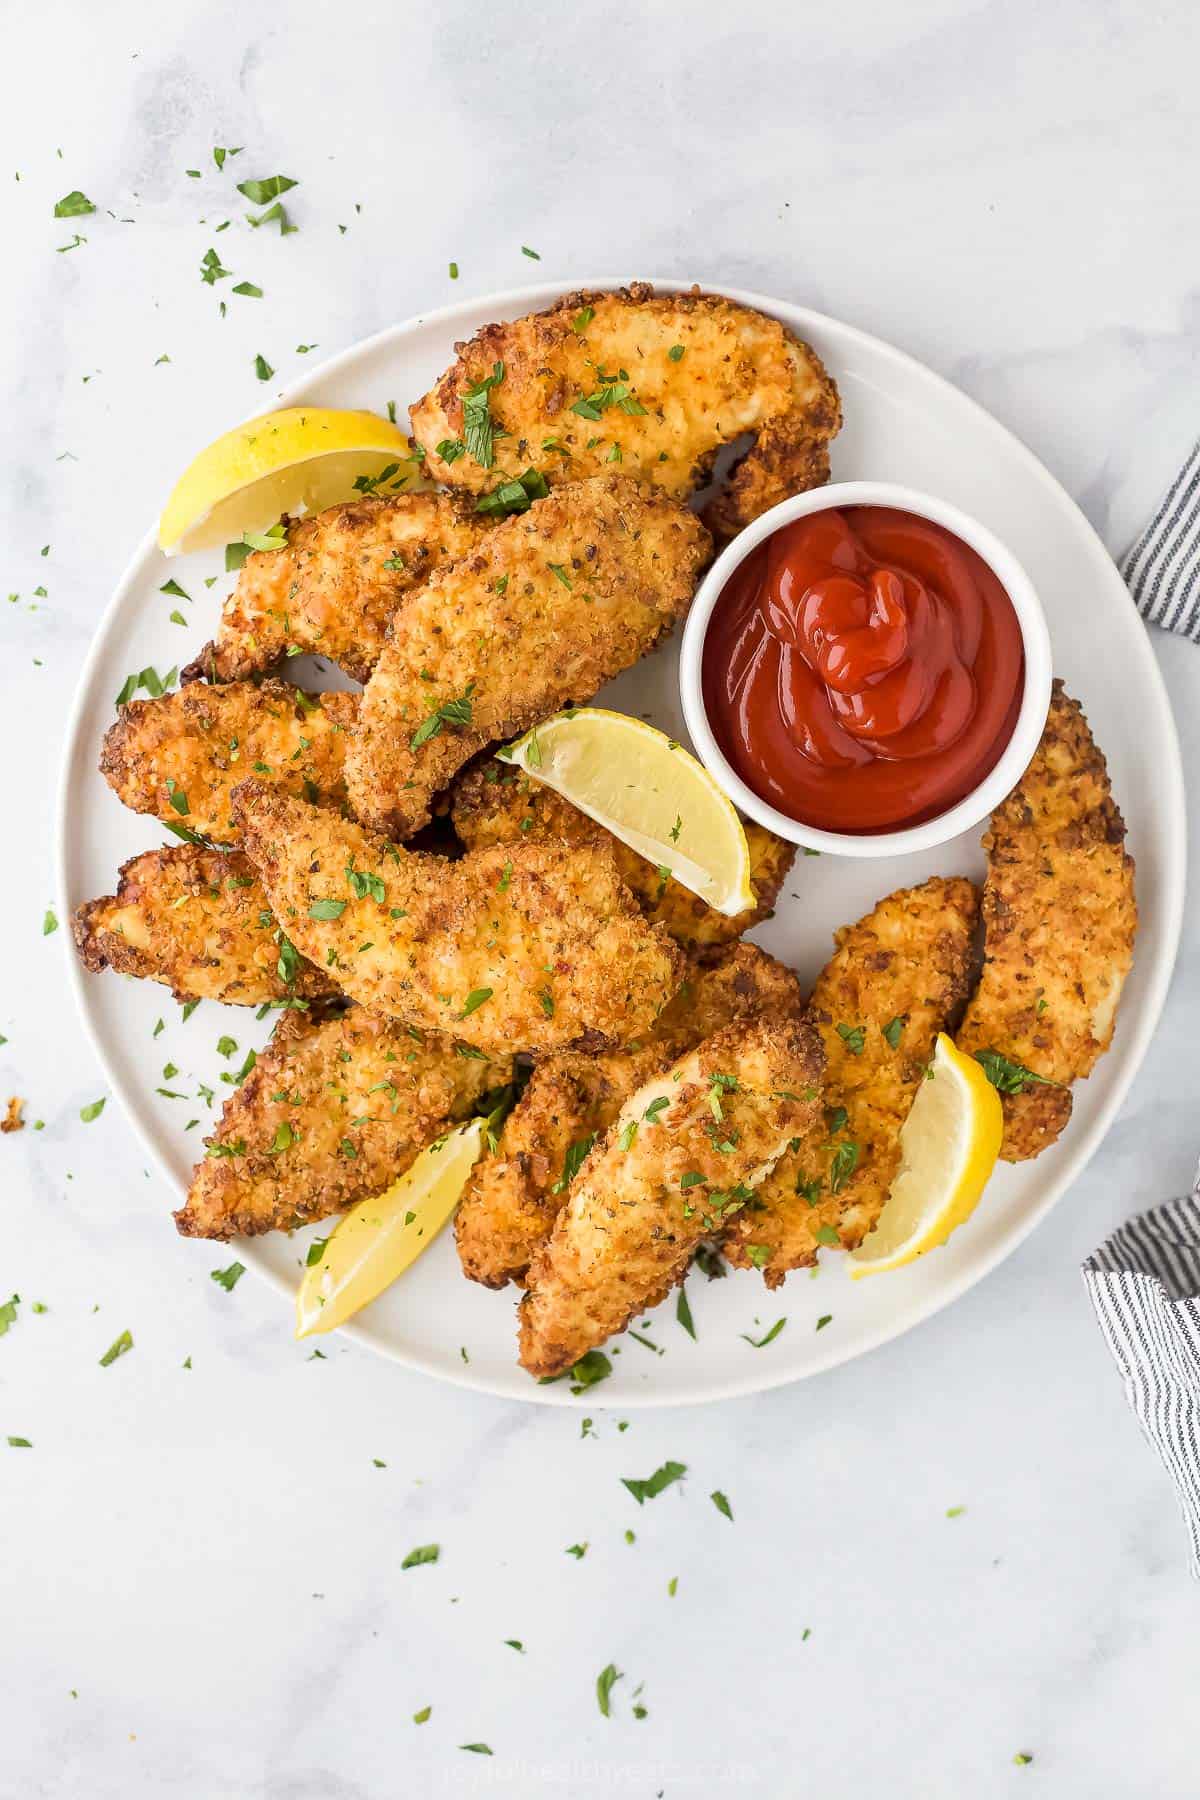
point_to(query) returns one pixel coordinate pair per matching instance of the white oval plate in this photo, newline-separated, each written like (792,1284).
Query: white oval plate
(905,424)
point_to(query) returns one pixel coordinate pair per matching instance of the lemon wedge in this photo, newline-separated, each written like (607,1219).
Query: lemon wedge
(949,1145)
(298,458)
(382,1237)
(648,791)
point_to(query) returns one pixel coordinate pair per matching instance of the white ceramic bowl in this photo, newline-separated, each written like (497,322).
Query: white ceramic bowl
(1035,701)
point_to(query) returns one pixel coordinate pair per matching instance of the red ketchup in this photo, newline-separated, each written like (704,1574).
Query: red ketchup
(863,669)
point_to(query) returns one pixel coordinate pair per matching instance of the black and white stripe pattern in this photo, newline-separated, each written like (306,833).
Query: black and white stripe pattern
(1144,1283)
(1163,567)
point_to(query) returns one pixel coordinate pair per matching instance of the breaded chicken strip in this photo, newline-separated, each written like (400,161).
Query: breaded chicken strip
(514,1196)
(198,920)
(181,756)
(332,590)
(896,979)
(684,1154)
(525,947)
(553,603)
(656,383)
(494,803)
(330,1113)
(1060,919)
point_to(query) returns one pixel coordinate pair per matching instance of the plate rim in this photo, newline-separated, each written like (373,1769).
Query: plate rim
(1171,895)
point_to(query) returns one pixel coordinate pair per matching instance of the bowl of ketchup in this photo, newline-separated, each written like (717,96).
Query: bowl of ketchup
(866,670)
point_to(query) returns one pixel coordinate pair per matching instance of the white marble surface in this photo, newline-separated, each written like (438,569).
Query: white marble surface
(201,1585)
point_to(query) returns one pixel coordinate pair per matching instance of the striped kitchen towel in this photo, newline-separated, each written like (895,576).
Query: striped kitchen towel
(1163,567)
(1144,1283)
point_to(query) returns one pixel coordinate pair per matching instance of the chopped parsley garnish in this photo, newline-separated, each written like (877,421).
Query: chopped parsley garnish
(560,574)
(768,1337)
(249,290)
(683,1312)
(604,1687)
(759,1254)
(315,1252)
(1009,1077)
(582,320)
(824,1320)
(73,205)
(365,884)
(451,712)
(260,192)
(894,1030)
(955,1512)
(578,1551)
(262,367)
(454,271)
(836,1118)
(721,1503)
(327,909)
(592,1367)
(478,1749)
(120,1346)
(515,496)
(827,1235)
(613,391)
(284,1138)
(19,1443)
(450,449)
(655,1107)
(8,1313)
(49,922)
(88,1113)
(808,1188)
(419,1718)
(573,1162)
(478,428)
(474,1001)
(526,251)
(210,269)
(854,1037)
(628,1133)
(424,1553)
(675,353)
(653,1485)
(228,1278)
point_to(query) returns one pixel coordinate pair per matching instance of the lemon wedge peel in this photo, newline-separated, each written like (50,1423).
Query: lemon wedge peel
(298,458)
(649,792)
(949,1145)
(381,1237)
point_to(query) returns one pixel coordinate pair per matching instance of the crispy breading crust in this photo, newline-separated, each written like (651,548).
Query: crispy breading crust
(1060,918)
(347,1105)
(629,1227)
(514,1196)
(697,370)
(196,919)
(553,603)
(526,946)
(333,589)
(181,756)
(493,803)
(912,960)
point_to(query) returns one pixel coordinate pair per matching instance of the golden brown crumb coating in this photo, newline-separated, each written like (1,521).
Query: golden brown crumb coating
(197,920)
(333,588)
(331,1112)
(657,383)
(494,803)
(1060,919)
(896,979)
(181,756)
(528,946)
(553,603)
(684,1154)
(515,1195)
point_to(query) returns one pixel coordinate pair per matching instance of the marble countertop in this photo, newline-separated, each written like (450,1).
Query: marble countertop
(202,1589)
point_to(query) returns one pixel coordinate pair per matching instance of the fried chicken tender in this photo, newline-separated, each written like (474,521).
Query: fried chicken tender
(330,1113)
(493,803)
(515,1195)
(197,920)
(1060,918)
(657,383)
(525,947)
(896,979)
(682,1156)
(553,603)
(181,756)
(334,587)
